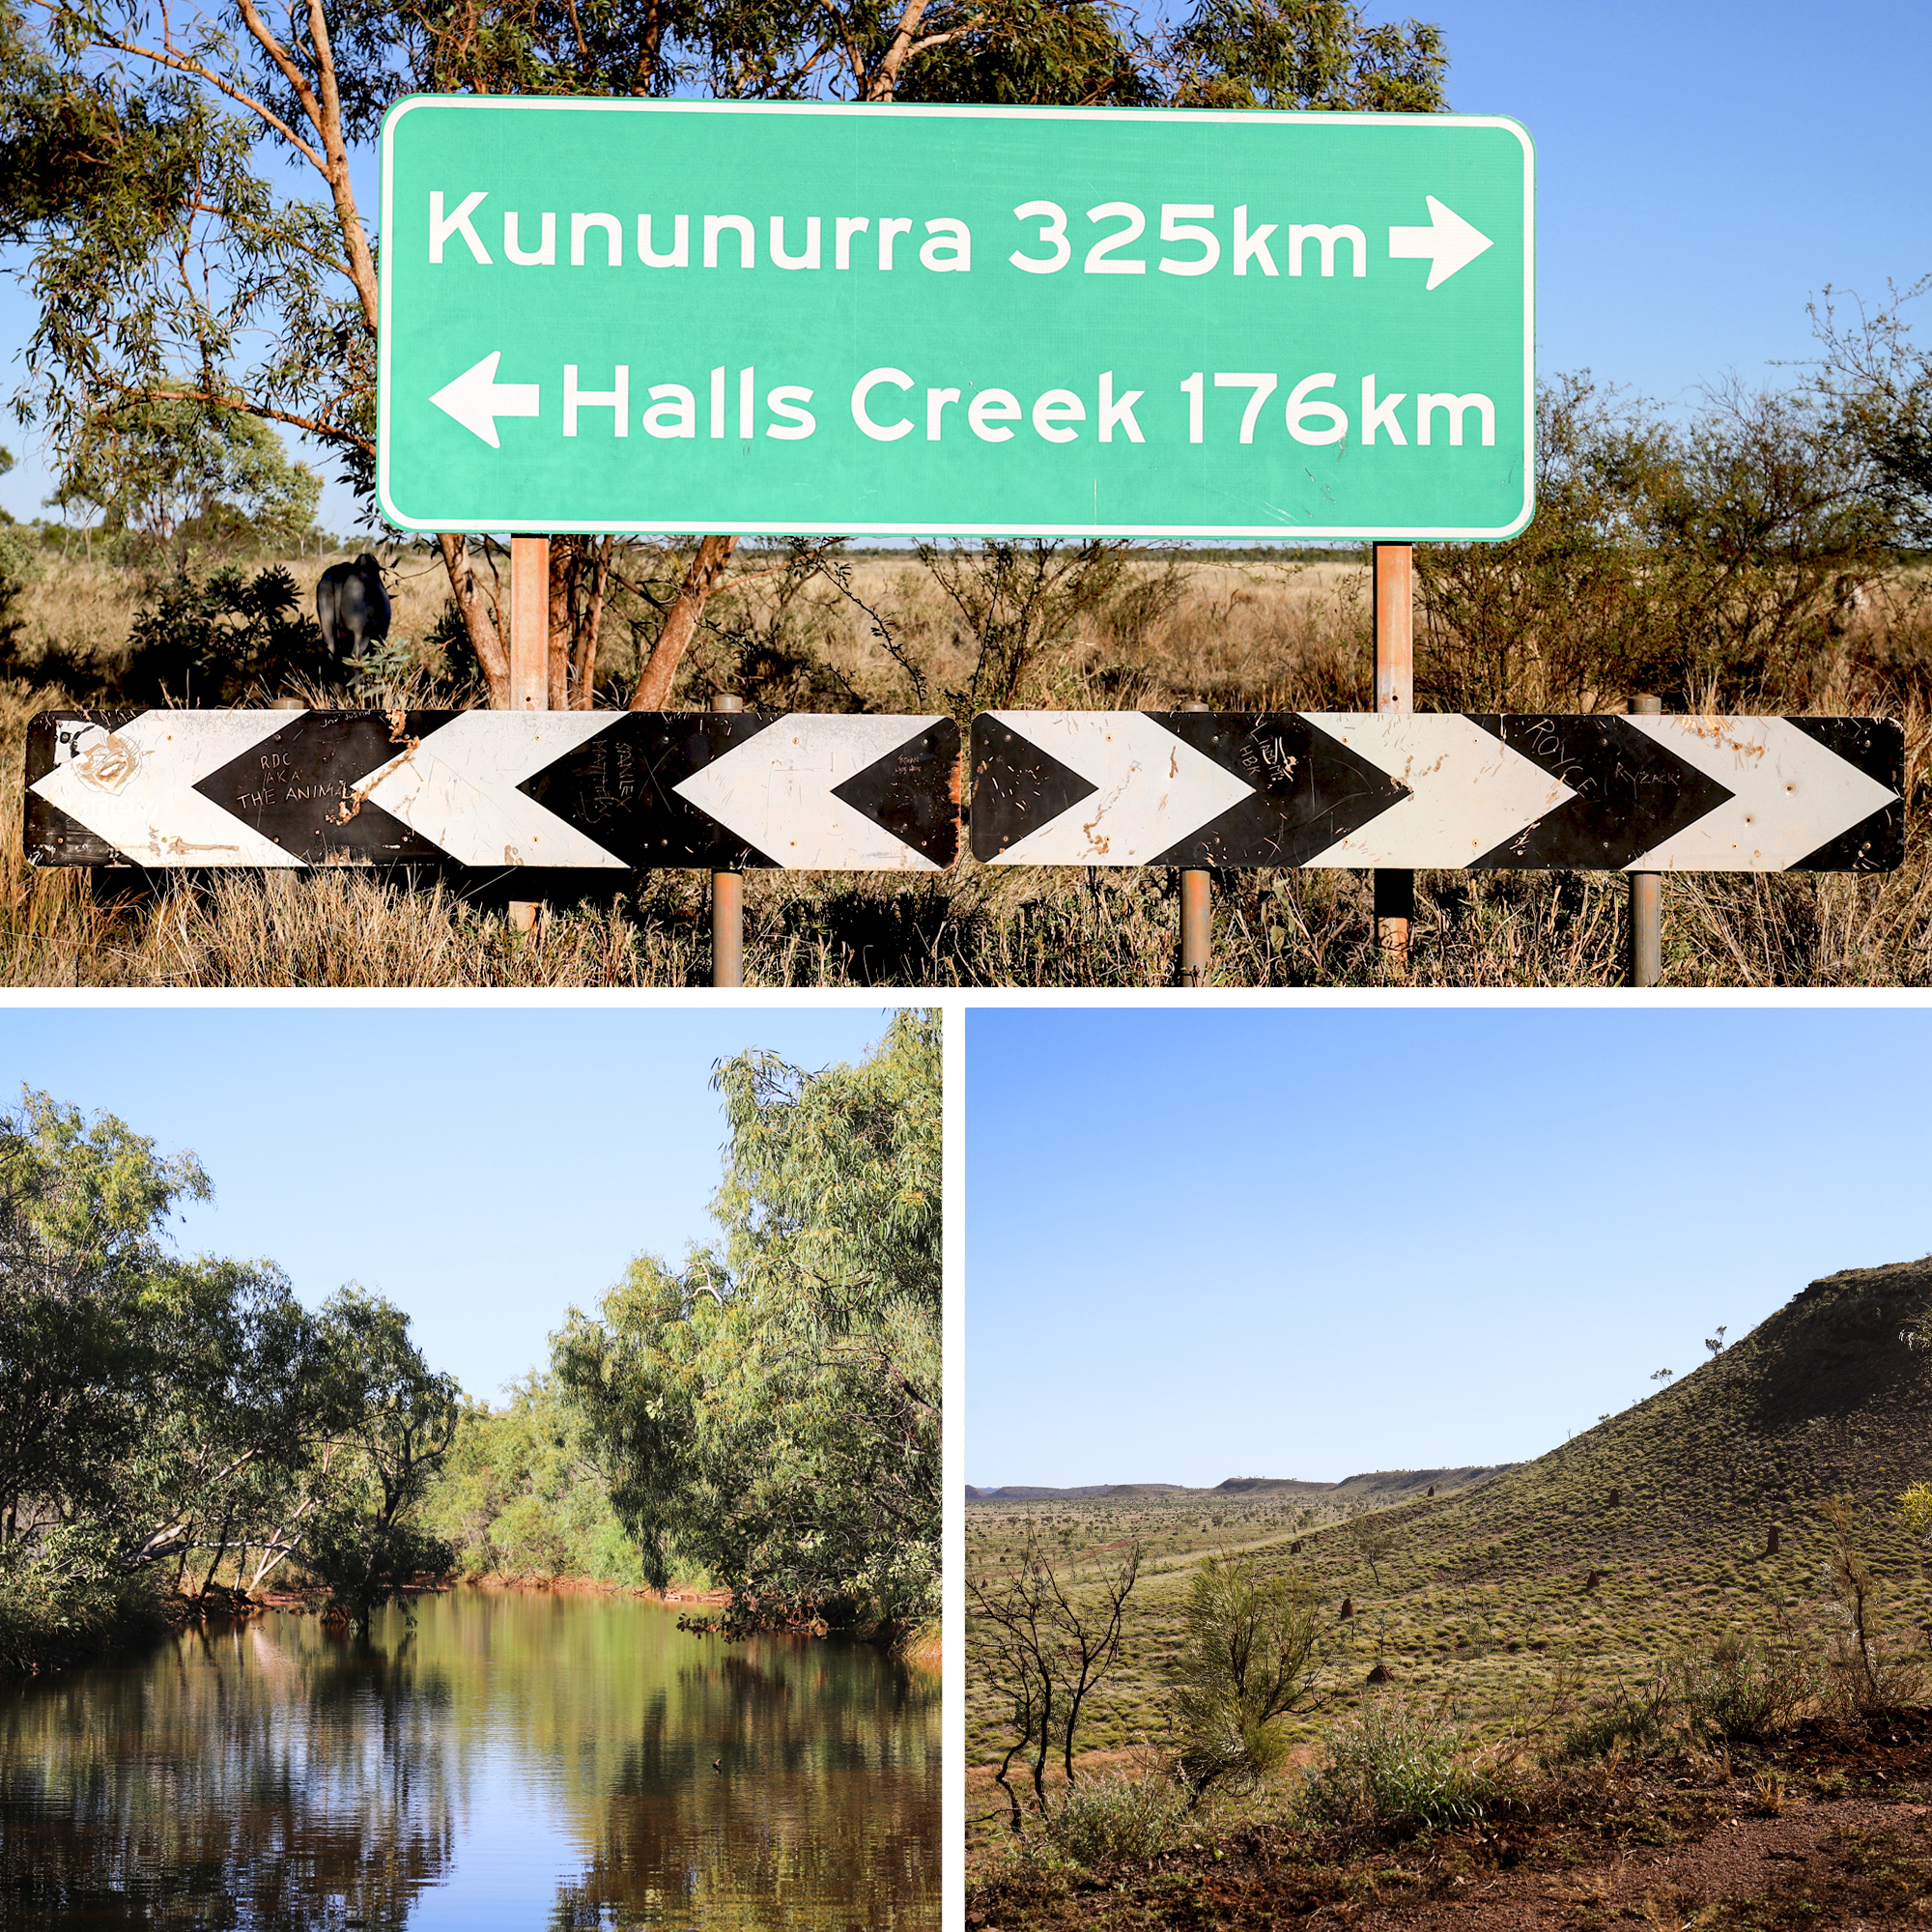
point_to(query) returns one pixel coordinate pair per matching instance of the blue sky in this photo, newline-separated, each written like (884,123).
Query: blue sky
(1309,1243)
(1706,168)
(482,1167)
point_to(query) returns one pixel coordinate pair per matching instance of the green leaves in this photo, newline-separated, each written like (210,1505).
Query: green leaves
(1247,1647)
(770,1412)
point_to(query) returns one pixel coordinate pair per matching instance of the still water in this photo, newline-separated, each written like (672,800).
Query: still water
(517,1759)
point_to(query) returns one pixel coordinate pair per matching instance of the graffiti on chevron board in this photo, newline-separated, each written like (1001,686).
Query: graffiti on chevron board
(623,791)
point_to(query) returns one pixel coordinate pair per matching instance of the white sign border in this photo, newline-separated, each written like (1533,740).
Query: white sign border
(1260,117)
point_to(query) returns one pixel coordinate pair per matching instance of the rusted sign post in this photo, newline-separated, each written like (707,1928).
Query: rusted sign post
(530,659)
(728,899)
(1196,913)
(1646,896)
(1394,601)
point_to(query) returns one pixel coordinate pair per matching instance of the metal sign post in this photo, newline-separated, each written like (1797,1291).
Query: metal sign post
(530,659)
(1394,603)
(1196,913)
(807,316)
(727,896)
(1646,898)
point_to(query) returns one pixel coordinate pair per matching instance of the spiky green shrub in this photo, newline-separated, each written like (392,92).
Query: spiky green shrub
(1744,1691)
(1115,1817)
(1401,1768)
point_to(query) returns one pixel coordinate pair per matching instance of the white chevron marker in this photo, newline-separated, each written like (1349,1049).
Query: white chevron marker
(775,792)
(458,788)
(134,787)
(1791,795)
(1470,791)
(1153,790)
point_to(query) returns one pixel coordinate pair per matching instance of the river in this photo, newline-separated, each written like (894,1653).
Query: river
(516,1759)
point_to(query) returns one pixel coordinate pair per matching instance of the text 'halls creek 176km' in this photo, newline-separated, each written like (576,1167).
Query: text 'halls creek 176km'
(672,316)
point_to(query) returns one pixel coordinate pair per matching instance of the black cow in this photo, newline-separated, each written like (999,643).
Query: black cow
(352,606)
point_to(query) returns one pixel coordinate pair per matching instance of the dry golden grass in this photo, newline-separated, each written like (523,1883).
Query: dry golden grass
(1269,636)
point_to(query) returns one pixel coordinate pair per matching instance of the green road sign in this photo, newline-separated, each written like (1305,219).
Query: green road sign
(625,315)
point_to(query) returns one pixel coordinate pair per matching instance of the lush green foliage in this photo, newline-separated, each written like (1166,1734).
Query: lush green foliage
(212,640)
(1248,1645)
(1318,54)
(769,1412)
(157,1412)
(520,1498)
(187,476)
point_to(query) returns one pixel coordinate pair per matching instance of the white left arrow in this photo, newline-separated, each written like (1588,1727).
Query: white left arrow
(477,399)
(775,792)
(134,787)
(1446,244)
(458,788)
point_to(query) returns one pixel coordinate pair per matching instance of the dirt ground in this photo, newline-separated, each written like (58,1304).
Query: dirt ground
(1830,1828)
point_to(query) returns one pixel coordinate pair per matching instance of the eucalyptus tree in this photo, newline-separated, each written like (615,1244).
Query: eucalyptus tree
(207,242)
(159,1414)
(769,1412)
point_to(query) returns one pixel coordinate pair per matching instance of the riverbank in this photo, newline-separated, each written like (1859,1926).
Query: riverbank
(42,1630)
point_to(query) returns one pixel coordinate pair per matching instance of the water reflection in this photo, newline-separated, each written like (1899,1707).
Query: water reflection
(517,1760)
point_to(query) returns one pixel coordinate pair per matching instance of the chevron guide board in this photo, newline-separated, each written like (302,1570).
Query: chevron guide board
(1423,790)
(804,317)
(492,790)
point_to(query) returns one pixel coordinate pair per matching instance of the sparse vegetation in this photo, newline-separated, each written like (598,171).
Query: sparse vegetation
(1590,1651)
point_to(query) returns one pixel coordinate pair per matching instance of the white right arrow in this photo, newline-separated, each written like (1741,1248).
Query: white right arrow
(1151,790)
(1446,244)
(1469,791)
(477,399)
(1790,795)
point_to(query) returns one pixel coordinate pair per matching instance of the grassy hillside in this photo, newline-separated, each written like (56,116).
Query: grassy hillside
(1566,1575)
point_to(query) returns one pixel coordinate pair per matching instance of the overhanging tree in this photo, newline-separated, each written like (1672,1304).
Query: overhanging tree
(769,1412)
(186,263)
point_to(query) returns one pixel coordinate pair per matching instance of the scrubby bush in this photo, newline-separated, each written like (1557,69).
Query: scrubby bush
(1246,1648)
(1743,1691)
(1401,1768)
(1117,1816)
(1634,1721)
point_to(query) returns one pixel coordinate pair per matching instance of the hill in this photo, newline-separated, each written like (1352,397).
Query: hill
(1822,1399)
(1646,1535)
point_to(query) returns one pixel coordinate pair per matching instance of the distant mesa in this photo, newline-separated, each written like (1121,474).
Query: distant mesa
(1021,1492)
(1393,1483)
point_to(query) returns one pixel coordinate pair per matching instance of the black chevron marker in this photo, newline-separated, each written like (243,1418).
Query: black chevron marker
(296,788)
(898,792)
(1876,747)
(1631,794)
(1018,788)
(1310,790)
(619,789)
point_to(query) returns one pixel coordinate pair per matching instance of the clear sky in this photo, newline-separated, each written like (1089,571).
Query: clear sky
(1309,1243)
(482,1167)
(1705,168)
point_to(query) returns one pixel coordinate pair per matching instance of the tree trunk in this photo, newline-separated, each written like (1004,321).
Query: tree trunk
(478,619)
(700,582)
(563,556)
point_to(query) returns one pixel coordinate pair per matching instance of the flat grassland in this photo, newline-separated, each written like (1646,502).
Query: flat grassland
(1261,634)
